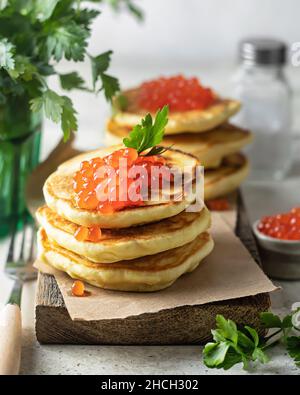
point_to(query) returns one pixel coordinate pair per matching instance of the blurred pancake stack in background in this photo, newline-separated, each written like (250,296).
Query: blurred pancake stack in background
(198,124)
(142,247)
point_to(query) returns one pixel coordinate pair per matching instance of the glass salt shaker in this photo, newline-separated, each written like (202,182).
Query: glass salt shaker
(265,94)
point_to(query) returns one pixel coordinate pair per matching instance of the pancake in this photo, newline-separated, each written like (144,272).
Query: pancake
(228,177)
(187,121)
(129,243)
(209,147)
(145,274)
(59,194)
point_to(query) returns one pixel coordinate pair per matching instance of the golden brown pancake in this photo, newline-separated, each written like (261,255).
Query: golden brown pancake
(127,243)
(145,274)
(59,195)
(209,147)
(187,121)
(228,177)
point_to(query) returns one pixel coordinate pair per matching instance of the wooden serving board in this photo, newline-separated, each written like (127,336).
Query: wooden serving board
(180,325)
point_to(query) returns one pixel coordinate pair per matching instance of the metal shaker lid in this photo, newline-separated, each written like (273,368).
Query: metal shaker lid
(263,51)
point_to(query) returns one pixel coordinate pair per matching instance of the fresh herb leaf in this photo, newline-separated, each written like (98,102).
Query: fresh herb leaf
(129,4)
(254,335)
(260,355)
(7,54)
(293,347)
(58,109)
(45,69)
(51,103)
(110,86)
(100,64)
(42,10)
(215,354)
(86,16)
(232,346)
(71,81)
(287,322)
(157,150)
(270,320)
(68,118)
(120,102)
(36,33)
(69,41)
(136,11)
(23,68)
(148,134)
(226,329)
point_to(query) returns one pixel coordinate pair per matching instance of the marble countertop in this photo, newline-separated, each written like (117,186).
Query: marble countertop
(58,359)
(37,359)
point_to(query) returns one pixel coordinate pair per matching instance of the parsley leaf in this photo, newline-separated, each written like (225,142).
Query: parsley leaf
(270,320)
(23,68)
(136,11)
(86,16)
(6,54)
(110,85)
(42,10)
(34,35)
(58,109)
(100,64)
(71,81)
(69,41)
(215,354)
(158,150)
(148,134)
(68,118)
(232,346)
(120,102)
(293,347)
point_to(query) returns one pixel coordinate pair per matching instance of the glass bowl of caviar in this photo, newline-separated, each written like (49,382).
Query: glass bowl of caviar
(280,233)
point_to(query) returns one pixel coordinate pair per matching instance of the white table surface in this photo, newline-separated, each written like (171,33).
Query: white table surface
(38,359)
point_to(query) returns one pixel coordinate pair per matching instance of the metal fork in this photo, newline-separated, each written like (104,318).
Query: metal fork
(19,268)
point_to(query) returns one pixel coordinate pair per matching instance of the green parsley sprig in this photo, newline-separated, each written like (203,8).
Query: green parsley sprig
(37,34)
(148,134)
(233,345)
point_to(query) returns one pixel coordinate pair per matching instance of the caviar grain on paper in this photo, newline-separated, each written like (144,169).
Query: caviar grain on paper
(228,273)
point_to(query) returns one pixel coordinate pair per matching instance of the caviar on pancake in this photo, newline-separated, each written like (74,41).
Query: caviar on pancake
(92,233)
(179,93)
(122,179)
(87,180)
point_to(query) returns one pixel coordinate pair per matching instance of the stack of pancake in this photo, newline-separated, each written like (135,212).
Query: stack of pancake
(141,249)
(203,133)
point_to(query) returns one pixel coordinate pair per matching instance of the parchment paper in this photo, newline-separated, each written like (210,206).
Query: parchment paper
(228,273)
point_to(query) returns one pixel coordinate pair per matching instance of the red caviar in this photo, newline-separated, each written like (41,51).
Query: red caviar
(92,233)
(97,184)
(218,205)
(180,93)
(284,226)
(78,288)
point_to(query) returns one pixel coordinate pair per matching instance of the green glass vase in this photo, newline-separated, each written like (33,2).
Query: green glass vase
(20,136)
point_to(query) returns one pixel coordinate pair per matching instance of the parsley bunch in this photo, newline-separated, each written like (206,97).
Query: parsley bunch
(148,134)
(233,345)
(34,36)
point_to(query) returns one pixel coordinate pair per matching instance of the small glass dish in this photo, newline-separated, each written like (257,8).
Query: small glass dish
(280,258)
(290,247)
